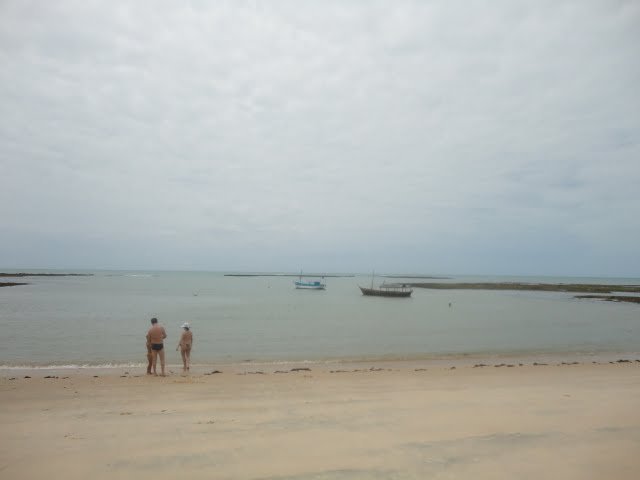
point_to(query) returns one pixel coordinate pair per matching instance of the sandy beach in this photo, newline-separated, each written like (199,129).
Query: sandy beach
(399,421)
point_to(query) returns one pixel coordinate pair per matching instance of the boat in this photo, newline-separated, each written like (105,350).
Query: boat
(310,285)
(386,290)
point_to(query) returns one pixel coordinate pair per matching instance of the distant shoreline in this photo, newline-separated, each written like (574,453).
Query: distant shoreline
(544,287)
(24,274)
(11,284)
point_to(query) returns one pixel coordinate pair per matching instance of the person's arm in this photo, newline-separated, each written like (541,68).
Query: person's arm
(164,333)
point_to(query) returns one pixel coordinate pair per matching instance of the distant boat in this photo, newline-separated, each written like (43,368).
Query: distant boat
(309,285)
(386,290)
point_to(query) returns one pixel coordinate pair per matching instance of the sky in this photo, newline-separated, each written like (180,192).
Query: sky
(436,137)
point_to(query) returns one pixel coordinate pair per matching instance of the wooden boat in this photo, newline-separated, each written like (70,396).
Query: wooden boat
(387,291)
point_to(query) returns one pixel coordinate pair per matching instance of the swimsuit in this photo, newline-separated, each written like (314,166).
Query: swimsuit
(157,346)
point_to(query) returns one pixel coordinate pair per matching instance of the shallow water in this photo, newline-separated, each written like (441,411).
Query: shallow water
(103,319)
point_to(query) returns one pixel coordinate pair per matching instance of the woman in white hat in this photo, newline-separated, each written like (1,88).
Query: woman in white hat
(186,340)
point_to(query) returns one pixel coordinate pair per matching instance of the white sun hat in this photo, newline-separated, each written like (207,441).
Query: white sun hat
(185,325)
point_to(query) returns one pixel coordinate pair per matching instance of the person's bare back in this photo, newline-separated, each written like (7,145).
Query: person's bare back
(156,334)
(186,339)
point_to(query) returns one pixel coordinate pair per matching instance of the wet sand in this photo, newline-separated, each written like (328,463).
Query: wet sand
(386,420)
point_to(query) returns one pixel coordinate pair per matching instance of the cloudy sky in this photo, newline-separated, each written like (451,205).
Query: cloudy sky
(498,137)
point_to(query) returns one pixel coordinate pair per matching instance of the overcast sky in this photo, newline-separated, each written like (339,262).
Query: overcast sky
(497,137)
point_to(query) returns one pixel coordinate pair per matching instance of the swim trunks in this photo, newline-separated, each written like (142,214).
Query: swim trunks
(157,346)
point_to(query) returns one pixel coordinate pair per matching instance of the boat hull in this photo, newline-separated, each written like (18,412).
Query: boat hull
(310,285)
(386,292)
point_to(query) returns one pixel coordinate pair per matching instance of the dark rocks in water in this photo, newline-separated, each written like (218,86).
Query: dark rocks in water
(27,376)
(338,371)
(213,372)
(544,287)
(304,369)
(539,364)
(50,376)
(480,365)
(420,370)
(12,378)
(624,361)
(11,284)
(280,371)
(374,369)
(452,368)
(24,274)
(611,298)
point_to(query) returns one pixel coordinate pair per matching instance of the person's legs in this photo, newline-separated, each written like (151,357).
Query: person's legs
(183,353)
(149,360)
(187,354)
(154,360)
(161,353)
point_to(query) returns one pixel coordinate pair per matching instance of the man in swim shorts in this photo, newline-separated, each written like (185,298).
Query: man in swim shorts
(155,338)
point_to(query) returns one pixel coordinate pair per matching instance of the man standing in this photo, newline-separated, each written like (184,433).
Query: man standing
(155,337)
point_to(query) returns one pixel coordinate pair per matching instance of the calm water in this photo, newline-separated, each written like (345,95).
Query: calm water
(103,320)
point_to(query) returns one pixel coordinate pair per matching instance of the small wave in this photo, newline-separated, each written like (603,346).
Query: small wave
(72,366)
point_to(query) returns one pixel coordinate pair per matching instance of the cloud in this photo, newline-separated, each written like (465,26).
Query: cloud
(485,138)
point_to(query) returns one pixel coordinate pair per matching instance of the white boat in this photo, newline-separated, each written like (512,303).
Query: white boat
(309,285)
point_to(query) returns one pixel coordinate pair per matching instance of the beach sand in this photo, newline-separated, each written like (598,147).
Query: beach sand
(395,421)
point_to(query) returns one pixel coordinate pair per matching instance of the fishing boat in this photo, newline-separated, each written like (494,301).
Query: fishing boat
(310,285)
(386,290)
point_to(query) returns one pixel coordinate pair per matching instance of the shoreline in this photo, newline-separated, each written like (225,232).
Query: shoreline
(357,364)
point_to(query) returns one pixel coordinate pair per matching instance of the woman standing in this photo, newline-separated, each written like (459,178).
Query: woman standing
(186,340)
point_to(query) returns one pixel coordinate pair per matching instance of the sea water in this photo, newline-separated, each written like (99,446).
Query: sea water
(103,319)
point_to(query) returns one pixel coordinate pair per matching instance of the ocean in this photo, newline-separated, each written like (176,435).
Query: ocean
(101,320)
